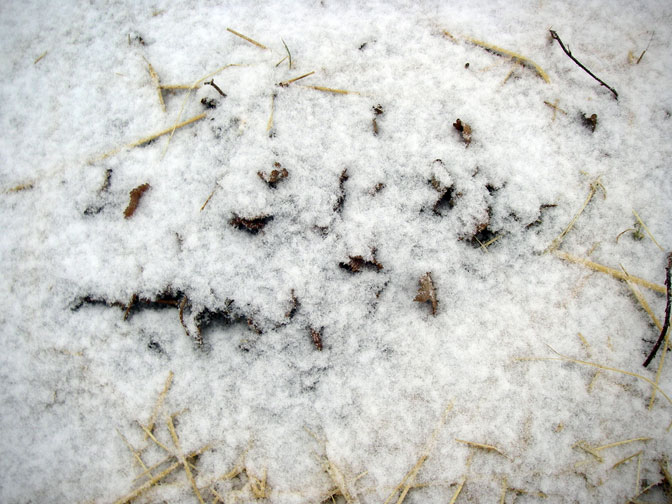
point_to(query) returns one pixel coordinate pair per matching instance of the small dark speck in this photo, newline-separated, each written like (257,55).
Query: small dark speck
(466,65)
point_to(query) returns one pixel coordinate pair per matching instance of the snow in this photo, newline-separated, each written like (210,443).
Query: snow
(359,414)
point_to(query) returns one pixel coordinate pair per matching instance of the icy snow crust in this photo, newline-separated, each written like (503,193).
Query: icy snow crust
(388,369)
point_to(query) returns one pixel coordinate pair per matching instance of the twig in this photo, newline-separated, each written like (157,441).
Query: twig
(251,41)
(212,83)
(668,308)
(569,53)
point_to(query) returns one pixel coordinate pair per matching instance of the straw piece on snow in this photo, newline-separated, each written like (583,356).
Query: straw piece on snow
(408,480)
(136,453)
(339,480)
(598,366)
(39,58)
(639,219)
(621,443)
(486,447)
(167,130)
(518,58)
(626,459)
(146,486)
(457,492)
(157,84)
(159,402)
(288,82)
(505,487)
(641,299)
(170,87)
(594,186)
(332,90)
(209,197)
(251,41)
(183,459)
(21,187)
(269,124)
(609,271)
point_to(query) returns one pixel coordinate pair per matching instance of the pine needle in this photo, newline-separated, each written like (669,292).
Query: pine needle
(518,58)
(610,271)
(251,41)
(648,231)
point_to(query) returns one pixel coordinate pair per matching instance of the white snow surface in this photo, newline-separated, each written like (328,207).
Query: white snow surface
(75,375)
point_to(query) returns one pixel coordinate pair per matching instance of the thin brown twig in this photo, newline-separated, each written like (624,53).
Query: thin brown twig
(668,308)
(555,36)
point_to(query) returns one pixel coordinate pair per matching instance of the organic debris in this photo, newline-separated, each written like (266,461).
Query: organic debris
(252,225)
(358,263)
(212,83)
(555,36)
(294,307)
(515,57)
(447,196)
(377,110)
(288,82)
(427,292)
(464,129)
(251,41)
(589,122)
(135,194)
(210,103)
(276,175)
(377,188)
(338,207)
(317,338)
(668,308)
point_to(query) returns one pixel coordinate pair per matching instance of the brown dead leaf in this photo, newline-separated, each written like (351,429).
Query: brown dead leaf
(427,292)
(464,129)
(136,194)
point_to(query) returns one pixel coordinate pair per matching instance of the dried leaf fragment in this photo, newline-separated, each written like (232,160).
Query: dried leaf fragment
(464,129)
(590,122)
(357,263)
(135,194)
(317,338)
(252,225)
(427,292)
(276,175)
(338,207)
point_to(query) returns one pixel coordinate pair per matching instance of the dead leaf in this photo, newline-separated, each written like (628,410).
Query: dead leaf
(276,175)
(427,292)
(136,194)
(252,225)
(464,129)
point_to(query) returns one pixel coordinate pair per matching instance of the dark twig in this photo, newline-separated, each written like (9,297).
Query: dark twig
(212,83)
(668,308)
(555,36)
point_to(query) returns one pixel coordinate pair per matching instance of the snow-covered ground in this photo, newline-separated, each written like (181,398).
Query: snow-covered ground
(291,350)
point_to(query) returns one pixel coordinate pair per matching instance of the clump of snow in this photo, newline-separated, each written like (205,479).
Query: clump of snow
(235,312)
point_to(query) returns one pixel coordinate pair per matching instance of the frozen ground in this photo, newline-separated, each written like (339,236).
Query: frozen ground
(392,383)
